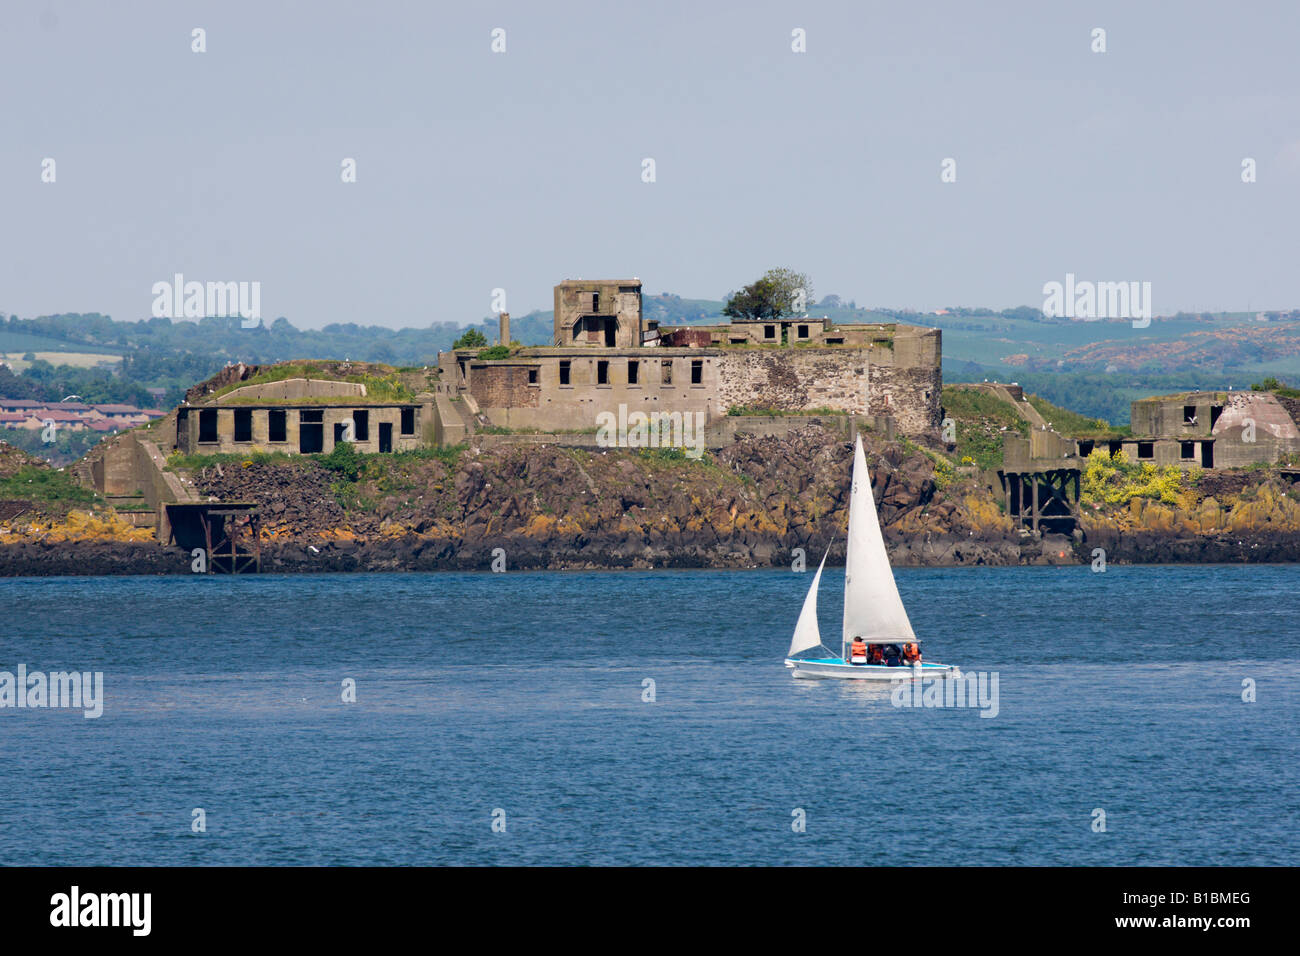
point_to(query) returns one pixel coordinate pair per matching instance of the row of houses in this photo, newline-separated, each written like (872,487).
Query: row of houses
(23,413)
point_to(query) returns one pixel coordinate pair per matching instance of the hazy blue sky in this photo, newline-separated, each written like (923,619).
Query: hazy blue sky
(479,170)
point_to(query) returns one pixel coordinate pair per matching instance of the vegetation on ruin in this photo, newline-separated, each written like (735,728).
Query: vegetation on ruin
(980,420)
(776,294)
(495,353)
(1271,384)
(387,386)
(1115,480)
(472,339)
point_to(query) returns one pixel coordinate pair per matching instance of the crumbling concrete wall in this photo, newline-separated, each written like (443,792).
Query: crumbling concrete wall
(502,385)
(858,381)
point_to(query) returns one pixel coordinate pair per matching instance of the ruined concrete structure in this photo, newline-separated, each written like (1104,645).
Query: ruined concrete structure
(1207,430)
(298,416)
(600,312)
(603,356)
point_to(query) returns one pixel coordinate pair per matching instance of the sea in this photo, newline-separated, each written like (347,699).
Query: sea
(1143,715)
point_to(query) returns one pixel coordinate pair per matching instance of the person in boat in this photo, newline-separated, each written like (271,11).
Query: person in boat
(892,654)
(875,654)
(858,651)
(912,653)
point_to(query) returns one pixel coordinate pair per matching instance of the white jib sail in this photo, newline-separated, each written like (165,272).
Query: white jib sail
(806,632)
(872,608)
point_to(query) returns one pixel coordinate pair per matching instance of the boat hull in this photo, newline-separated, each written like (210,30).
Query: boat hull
(834,668)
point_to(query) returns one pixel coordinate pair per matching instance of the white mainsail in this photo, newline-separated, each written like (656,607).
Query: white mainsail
(872,608)
(806,632)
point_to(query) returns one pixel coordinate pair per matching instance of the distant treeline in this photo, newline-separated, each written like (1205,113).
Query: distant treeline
(174,355)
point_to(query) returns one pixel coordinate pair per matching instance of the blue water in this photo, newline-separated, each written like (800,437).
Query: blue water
(1119,691)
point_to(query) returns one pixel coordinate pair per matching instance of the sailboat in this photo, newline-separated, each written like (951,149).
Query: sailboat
(872,608)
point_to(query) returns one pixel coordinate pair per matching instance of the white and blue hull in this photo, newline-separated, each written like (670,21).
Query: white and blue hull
(836,668)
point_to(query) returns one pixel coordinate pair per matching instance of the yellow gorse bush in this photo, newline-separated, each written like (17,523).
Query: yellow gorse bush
(1116,480)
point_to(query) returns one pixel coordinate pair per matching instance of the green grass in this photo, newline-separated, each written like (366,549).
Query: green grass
(379,388)
(980,418)
(1072,423)
(33,483)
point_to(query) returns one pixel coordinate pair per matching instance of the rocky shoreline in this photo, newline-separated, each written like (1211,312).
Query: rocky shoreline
(749,505)
(33,559)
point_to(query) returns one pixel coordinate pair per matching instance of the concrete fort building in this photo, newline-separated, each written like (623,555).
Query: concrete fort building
(1208,430)
(301,416)
(603,355)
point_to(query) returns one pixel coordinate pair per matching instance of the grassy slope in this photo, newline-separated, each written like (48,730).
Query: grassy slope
(1072,423)
(980,420)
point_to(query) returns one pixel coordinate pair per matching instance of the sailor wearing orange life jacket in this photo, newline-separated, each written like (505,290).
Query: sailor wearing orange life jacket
(912,653)
(858,651)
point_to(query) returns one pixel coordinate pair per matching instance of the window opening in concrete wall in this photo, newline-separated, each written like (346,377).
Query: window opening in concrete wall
(207,424)
(697,371)
(1215,412)
(408,421)
(564,372)
(361,417)
(666,375)
(602,373)
(532,376)
(277,425)
(311,431)
(243,424)
(769,331)
(1146,449)
(1187,449)
(803,331)
(633,371)
(1189,414)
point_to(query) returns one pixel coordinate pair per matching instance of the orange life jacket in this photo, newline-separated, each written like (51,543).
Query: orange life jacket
(859,649)
(911,652)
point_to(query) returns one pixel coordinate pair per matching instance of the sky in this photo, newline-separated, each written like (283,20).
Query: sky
(479,170)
